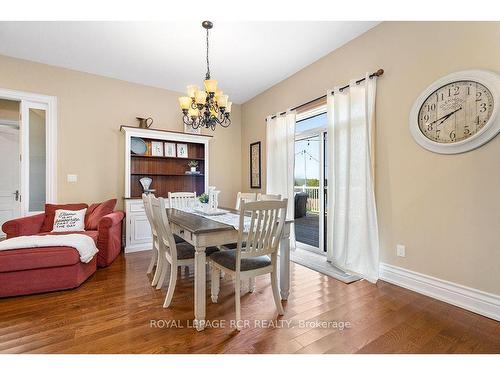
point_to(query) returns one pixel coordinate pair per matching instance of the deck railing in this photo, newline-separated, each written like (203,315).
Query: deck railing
(313,197)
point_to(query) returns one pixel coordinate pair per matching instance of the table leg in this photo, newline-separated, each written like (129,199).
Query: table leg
(199,288)
(285,263)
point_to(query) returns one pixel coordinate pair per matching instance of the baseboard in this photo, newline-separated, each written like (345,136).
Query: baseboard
(474,300)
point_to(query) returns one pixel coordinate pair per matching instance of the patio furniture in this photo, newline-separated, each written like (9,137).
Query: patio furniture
(300,204)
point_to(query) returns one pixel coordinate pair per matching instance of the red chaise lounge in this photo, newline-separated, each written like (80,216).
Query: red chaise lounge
(45,269)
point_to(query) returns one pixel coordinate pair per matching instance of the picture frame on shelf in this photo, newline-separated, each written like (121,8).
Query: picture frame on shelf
(255,165)
(182,150)
(170,150)
(156,148)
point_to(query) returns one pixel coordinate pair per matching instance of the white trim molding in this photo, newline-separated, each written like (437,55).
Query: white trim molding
(474,300)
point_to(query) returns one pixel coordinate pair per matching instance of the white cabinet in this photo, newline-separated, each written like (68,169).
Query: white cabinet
(137,229)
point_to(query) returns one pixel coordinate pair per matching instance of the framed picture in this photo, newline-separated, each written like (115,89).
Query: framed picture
(182,150)
(170,149)
(255,165)
(156,148)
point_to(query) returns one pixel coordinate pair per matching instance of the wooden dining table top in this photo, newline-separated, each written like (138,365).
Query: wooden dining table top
(197,224)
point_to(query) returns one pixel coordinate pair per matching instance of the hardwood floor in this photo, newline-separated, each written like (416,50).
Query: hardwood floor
(113,312)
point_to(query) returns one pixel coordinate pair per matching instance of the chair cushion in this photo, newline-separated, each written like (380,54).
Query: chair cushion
(234,245)
(38,257)
(50,213)
(227,259)
(97,211)
(178,239)
(186,250)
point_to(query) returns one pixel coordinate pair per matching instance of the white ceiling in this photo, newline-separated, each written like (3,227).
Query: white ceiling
(245,57)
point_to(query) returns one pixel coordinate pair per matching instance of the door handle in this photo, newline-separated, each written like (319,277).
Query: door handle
(16,194)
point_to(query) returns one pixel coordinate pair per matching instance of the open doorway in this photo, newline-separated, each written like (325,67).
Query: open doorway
(27,153)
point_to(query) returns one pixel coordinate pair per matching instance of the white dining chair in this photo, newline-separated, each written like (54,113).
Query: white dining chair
(256,252)
(268,197)
(247,197)
(171,255)
(181,199)
(154,255)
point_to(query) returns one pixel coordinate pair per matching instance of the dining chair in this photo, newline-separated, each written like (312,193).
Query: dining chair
(247,197)
(146,199)
(256,252)
(181,199)
(268,197)
(171,255)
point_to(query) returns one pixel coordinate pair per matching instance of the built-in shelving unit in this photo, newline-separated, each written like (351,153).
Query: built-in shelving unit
(167,172)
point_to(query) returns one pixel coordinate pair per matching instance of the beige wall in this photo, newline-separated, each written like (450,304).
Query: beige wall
(90,111)
(445,209)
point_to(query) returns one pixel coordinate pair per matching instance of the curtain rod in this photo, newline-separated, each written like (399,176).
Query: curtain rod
(378,73)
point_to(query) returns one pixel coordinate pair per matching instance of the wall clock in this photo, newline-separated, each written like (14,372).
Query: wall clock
(458,112)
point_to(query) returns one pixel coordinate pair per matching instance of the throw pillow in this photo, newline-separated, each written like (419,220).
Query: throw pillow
(69,221)
(97,211)
(50,211)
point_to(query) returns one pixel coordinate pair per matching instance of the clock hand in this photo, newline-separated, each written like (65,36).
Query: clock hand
(448,116)
(445,117)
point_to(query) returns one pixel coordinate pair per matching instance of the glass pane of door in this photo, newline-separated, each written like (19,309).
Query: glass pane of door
(34,156)
(307,189)
(37,159)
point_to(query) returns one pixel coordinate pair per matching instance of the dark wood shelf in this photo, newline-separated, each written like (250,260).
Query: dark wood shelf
(165,157)
(167,174)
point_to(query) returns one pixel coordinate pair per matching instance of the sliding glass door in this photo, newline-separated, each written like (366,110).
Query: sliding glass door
(310,179)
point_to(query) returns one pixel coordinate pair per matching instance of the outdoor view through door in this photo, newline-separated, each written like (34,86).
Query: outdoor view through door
(310,183)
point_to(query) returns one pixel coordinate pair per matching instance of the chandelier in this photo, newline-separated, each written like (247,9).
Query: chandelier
(209,107)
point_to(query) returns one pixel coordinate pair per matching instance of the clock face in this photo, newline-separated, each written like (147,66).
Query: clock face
(455,112)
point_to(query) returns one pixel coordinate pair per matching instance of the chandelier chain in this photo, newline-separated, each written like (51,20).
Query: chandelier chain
(208,62)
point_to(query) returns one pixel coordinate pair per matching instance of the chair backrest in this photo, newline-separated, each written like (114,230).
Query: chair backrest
(146,199)
(166,239)
(268,197)
(267,219)
(181,199)
(247,197)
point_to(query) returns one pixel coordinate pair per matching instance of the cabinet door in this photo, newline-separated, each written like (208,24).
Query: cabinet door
(140,230)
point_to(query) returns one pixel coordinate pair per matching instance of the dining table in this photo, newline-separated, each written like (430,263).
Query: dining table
(203,232)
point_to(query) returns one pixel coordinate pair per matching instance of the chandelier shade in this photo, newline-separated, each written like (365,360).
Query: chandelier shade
(209,107)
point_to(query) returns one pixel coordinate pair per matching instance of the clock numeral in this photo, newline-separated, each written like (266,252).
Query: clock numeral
(431,107)
(479,94)
(453,136)
(482,107)
(466,131)
(426,117)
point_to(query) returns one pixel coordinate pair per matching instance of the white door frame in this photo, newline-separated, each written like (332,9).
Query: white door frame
(50,104)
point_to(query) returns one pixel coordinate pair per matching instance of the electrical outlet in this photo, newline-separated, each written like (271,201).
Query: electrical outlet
(72,178)
(401,250)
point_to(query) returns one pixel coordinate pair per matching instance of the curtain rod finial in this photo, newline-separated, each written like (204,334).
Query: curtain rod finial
(379,72)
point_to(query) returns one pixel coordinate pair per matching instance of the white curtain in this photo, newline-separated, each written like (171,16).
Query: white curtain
(280,160)
(352,233)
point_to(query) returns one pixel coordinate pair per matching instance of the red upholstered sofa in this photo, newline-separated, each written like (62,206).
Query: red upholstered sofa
(44,269)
